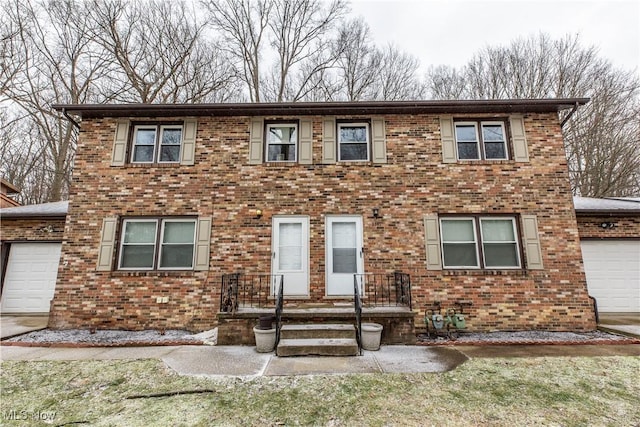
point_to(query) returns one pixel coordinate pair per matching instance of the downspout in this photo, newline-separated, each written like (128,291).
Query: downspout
(68,117)
(566,119)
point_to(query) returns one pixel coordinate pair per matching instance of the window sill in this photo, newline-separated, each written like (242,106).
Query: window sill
(486,162)
(151,165)
(482,272)
(153,273)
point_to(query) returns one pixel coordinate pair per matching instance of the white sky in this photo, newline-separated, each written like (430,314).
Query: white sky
(449,32)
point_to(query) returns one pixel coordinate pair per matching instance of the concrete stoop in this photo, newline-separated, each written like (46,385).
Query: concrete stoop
(318,340)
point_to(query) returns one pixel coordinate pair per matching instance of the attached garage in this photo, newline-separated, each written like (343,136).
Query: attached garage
(613,274)
(30,253)
(30,278)
(610,241)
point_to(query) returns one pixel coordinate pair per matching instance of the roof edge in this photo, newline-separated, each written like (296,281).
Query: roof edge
(311,108)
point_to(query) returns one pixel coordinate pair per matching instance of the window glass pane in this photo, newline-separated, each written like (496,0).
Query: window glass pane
(343,234)
(457,231)
(137,256)
(459,255)
(283,152)
(143,153)
(171,136)
(290,234)
(290,258)
(492,133)
(353,151)
(353,134)
(501,255)
(145,136)
(468,150)
(344,260)
(170,153)
(177,256)
(466,133)
(178,232)
(278,134)
(140,232)
(497,230)
(495,150)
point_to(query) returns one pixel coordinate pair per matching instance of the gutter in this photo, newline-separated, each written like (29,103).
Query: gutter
(68,117)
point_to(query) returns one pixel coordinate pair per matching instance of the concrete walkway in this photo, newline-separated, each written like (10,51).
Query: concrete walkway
(11,326)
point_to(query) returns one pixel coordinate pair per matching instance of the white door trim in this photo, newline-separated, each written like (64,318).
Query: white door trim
(296,275)
(341,284)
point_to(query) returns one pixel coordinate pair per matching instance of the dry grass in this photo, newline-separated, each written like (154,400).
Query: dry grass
(535,391)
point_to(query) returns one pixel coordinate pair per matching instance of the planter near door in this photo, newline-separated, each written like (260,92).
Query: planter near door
(265,335)
(371,334)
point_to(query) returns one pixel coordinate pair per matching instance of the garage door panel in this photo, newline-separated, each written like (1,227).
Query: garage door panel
(30,278)
(612,268)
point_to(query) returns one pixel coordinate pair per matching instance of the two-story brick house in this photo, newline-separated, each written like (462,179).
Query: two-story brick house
(471,199)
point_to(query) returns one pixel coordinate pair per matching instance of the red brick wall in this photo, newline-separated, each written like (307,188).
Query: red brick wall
(590,227)
(413,183)
(26,229)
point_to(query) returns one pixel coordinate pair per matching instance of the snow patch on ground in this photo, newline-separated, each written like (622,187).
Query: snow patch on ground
(527,336)
(107,337)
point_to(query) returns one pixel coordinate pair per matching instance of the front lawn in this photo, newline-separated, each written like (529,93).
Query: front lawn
(534,391)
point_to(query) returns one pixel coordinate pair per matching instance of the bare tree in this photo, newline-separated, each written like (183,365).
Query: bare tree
(602,139)
(397,76)
(160,53)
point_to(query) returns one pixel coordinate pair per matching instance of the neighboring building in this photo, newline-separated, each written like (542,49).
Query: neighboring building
(610,239)
(6,188)
(470,199)
(30,242)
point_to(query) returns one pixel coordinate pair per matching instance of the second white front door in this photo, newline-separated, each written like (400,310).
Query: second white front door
(290,254)
(344,256)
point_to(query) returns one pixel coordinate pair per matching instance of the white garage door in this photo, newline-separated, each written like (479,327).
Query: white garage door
(613,274)
(30,279)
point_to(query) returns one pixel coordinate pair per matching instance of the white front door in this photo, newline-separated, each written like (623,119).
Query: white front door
(290,254)
(344,256)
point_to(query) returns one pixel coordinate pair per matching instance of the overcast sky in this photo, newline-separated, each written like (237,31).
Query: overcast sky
(449,32)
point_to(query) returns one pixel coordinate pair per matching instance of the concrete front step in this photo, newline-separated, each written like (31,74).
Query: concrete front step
(318,347)
(323,330)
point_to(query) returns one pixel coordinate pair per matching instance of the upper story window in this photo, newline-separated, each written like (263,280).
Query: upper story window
(481,140)
(282,142)
(479,242)
(156,144)
(353,141)
(157,244)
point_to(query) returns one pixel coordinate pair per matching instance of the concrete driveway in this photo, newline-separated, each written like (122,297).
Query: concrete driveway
(10,326)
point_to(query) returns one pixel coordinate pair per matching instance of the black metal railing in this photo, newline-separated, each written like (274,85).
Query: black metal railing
(357,303)
(279,307)
(384,290)
(240,290)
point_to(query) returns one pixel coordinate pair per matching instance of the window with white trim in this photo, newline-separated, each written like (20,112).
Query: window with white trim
(481,140)
(156,144)
(157,244)
(282,142)
(479,242)
(353,141)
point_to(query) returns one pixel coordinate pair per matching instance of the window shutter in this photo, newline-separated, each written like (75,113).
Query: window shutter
(256,142)
(305,155)
(532,249)
(448,140)
(203,241)
(378,139)
(120,143)
(107,243)
(432,241)
(329,140)
(187,156)
(520,150)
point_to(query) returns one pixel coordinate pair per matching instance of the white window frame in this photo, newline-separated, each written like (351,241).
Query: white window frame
(157,143)
(122,244)
(367,127)
(475,242)
(480,142)
(515,236)
(267,143)
(157,244)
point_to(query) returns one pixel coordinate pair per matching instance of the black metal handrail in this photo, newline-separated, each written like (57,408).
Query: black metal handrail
(279,307)
(241,290)
(357,303)
(385,289)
